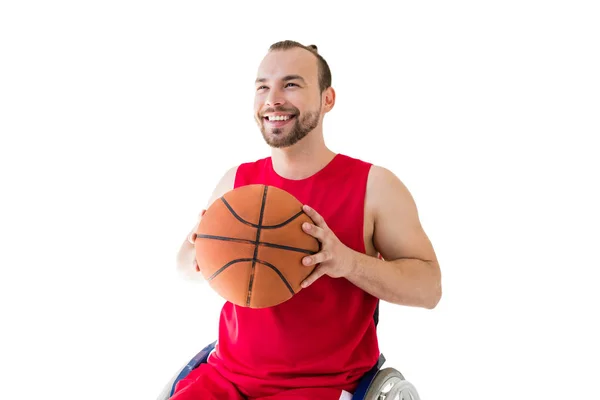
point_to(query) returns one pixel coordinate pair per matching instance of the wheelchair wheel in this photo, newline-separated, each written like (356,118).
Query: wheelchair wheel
(389,384)
(403,390)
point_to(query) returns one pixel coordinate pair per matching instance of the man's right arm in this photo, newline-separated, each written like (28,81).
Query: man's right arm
(186,256)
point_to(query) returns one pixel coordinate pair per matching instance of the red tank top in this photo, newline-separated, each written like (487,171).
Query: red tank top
(325,335)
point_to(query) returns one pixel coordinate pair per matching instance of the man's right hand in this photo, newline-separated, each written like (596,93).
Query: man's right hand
(186,256)
(192,235)
(192,238)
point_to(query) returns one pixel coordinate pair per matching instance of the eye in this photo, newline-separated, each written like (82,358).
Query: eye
(261,87)
(290,83)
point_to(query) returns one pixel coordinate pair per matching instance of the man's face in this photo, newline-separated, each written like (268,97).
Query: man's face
(287,101)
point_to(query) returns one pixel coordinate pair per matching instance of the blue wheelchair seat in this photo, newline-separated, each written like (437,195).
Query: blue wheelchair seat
(377,384)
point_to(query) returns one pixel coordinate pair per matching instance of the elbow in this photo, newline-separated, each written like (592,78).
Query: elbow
(435,294)
(435,298)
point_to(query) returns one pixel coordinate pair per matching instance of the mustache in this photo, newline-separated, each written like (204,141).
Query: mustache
(280,109)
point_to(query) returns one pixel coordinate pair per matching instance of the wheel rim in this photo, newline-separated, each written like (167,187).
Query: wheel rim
(387,387)
(401,390)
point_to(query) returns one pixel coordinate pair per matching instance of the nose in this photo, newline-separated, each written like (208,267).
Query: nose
(274,98)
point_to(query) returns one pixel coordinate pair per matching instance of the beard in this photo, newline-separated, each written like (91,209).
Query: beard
(301,126)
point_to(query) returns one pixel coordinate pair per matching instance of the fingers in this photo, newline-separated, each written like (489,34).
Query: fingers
(319,231)
(314,231)
(315,216)
(317,273)
(192,235)
(318,258)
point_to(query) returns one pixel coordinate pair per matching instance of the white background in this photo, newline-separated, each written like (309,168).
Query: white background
(117,118)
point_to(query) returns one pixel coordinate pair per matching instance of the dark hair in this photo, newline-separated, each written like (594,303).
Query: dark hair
(323,67)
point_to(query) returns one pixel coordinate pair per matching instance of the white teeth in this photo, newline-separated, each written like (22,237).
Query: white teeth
(279,118)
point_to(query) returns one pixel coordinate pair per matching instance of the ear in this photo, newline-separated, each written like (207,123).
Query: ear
(328,99)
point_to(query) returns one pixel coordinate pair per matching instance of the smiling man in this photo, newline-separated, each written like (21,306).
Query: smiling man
(274,120)
(318,344)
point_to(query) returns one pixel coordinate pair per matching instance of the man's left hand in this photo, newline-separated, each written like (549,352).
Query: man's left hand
(335,258)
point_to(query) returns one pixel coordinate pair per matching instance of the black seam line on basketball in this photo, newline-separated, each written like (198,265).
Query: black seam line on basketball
(243,221)
(246,241)
(274,268)
(260,219)
(284,223)
(224,267)
(254,260)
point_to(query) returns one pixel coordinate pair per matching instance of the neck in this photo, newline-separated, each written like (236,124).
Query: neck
(303,159)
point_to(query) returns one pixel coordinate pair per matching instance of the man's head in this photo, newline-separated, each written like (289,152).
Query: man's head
(293,92)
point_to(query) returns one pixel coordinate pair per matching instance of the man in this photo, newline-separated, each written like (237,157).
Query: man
(318,344)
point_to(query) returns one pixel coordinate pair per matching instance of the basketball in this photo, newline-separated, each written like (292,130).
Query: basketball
(250,245)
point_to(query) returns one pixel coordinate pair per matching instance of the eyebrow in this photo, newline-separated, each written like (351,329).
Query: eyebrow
(285,78)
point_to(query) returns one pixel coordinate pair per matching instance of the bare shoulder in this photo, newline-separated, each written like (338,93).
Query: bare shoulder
(397,229)
(225,184)
(386,191)
(228,180)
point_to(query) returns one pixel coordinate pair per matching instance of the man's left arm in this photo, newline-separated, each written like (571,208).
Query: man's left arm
(409,273)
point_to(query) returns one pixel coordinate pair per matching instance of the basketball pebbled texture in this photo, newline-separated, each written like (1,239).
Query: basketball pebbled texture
(250,245)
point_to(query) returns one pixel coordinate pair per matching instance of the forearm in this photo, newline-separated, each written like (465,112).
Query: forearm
(409,282)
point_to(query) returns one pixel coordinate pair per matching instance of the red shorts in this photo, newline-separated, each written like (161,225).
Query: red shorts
(206,383)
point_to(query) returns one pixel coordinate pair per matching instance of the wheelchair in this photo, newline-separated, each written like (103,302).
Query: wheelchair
(376,384)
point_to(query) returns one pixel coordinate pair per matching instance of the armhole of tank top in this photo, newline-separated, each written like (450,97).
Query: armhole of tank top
(364,169)
(247,170)
(239,175)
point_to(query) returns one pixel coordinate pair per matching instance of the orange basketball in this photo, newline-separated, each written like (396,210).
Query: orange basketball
(250,245)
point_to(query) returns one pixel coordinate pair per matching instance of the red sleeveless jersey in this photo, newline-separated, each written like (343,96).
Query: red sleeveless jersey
(325,335)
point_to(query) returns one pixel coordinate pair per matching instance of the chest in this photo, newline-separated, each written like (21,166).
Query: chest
(342,208)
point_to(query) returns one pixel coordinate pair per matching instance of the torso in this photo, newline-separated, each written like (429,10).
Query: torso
(369,217)
(262,363)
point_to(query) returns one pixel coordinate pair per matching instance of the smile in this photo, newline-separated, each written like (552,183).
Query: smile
(271,118)
(278,121)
